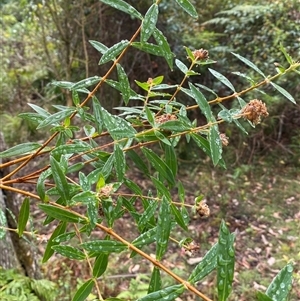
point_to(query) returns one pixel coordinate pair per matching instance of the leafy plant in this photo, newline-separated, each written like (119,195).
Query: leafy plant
(14,286)
(83,200)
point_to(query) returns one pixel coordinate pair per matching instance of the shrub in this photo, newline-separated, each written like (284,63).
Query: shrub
(85,185)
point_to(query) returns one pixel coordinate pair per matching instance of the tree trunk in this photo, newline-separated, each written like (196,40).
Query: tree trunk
(15,253)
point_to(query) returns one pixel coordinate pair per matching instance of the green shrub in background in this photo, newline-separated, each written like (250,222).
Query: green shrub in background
(65,186)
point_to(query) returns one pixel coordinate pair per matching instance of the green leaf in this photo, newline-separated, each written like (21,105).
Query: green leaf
(215,144)
(69,252)
(226,259)
(179,217)
(171,158)
(113,52)
(70,149)
(149,22)
(155,281)
(3,224)
(159,165)
(284,92)
(84,197)
(222,79)
(149,48)
(150,116)
(107,168)
(250,64)
(281,284)
(84,291)
(123,6)
(164,47)
(98,115)
(162,137)
(59,179)
(140,164)
(182,67)
(287,56)
(205,266)
(161,188)
(21,149)
(175,126)
(262,297)
(61,214)
(87,82)
(145,238)
(167,294)
(104,246)
(117,126)
(60,229)
(120,162)
(99,46)
(23,216)
(100,264)
(39,110)
(147,214)
(124,84)
(64,237)
(188,7)
(56,118)
(202,103)
(92,213)
(163,228)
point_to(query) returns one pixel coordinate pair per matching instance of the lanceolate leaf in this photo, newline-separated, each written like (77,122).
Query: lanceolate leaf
(206,265)
(222,79)
(155,281)
(60,229)
(182,67)
(163,228)
(250,64)
(113,52)
(61,214)
(60,179)
(100,264)
(164,46)
(262,297)
(202,102)
(86,83)
(84,291)
(179,217)
(120,163)
(149,22)
(188,7)
(123,6)
(149,48)
(281,284)
(136,159)
(167,294)
(284,92)
(159,165)
(124,84)
(170,158)
(69,252)
(226,259)
(20,149)
(99,46)
(23,216)
(148,214)
(215,144)
(56,117)
(104,246)
(145,238)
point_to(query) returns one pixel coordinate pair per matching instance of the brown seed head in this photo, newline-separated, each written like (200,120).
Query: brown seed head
(164,118)
(254,110)
(201,54)
(203,209)
(224,139)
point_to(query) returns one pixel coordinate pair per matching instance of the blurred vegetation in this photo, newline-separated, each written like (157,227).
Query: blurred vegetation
(45,41)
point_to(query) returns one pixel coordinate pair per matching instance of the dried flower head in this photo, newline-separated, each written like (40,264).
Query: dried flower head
(150,81)
(164,118)
(201,54)
(254,110)
(203,209)
(224,139)
(190,248)
(105,191)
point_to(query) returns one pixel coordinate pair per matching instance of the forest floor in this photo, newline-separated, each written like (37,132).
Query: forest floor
(260,203)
